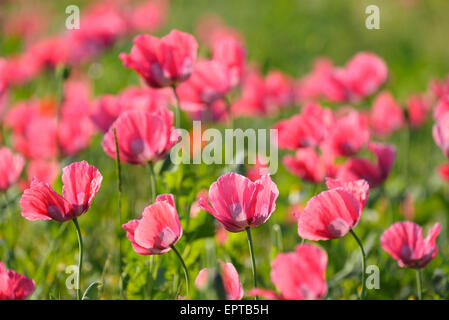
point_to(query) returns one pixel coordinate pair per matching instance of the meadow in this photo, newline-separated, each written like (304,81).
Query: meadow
(355,108)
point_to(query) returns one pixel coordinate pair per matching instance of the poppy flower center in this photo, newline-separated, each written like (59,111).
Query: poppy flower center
(138,146)
(338,228)
(166,237)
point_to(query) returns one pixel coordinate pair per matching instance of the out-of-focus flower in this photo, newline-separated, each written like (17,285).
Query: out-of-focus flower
(149,15)
(81,183)
(11,165)
(364,74)
(306,164)
(298,275)
(141,136)
(102,24)
(157,230)
(211,29)
(417,110)
(307,129)
(404,242)
(360,168)
(441,108)
(162,62)
(229,52)
(50,52)
(386,115)
(231,280)
(349,134)
(239,203)
(441,133)
(13,285)
(262,96)
(209,82)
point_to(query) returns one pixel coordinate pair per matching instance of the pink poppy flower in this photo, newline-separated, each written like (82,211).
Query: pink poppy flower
(13,285)
(386,115)
(103,24)
(329,215)
(441,108)
(11,166)
(229,52)
(359,189)
(142,136)
(157,230)
(163,62)
(298,275)
(306,164)
(238,203)
(439,88)
(349,134)
(209,82)
(109,107)
(441,133)
(81,183)
(279,89)
(404,242)
(364,74)
(50,52)
(231,280)
(149,15)
(374,174)
(307,129)
(310,87)
(417,110)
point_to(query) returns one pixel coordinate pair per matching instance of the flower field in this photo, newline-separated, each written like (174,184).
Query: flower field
(202,150)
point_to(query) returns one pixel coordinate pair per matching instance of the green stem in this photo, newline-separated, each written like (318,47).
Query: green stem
(419,283)
(362,251)
(177,108)
(186,272)
(80,259)
(253,259)
(119,188)
(152,181)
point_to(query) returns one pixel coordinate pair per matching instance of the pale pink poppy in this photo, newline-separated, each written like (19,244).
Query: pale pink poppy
(329,215)
(81,183)
(238,203)
(163,62)
(298,275)
(157,230)
(13,285)
(404,241)
(359,189)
